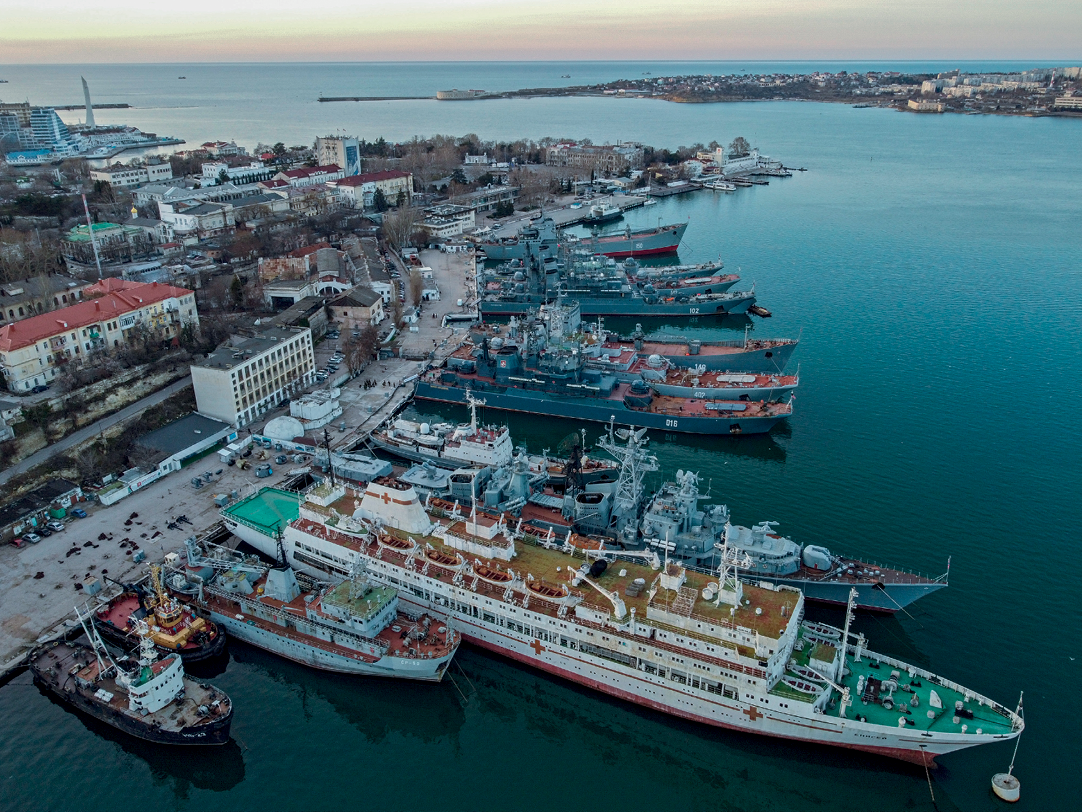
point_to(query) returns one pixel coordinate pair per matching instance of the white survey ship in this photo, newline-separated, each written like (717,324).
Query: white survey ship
(698,645)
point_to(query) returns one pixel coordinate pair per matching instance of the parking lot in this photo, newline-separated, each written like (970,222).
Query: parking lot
(33,604)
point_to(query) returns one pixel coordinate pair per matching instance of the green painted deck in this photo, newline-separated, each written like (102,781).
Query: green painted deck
(267,511)
(985,719)
(365,605)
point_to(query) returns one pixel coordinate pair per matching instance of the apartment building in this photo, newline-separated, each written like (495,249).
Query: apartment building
(39,294)
(358,191)
(33,351)
(254,172)
(198,219)
(120,176)
(340,151)
(616,159)
(246,377)
(310,175)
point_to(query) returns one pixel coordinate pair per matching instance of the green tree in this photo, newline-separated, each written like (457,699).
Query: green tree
(236,291)
(379,201)
(458,176)
(223,177)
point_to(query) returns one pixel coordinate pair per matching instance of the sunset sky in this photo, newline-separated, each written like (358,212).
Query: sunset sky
(64,31)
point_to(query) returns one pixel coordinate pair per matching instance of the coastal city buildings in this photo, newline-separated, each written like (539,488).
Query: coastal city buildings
(122,176)
(615,160)
(310,175)
(38,294)
(340,151)
(244,378)
(357,308)
(217,172)
(112,311)
(359,191)
(198,220)
(83,247)
(448,220)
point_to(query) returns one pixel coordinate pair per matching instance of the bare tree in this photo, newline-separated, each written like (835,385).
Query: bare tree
(416,285)
(740,147)
(368,343)
(353,357)
(398,225)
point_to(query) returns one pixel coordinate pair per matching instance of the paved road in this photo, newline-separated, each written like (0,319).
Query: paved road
(94,428)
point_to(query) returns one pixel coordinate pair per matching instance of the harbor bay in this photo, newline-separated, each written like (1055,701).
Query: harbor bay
(929,267)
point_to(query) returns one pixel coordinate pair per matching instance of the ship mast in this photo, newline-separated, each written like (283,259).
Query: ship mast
(634,463)
(473,403)
(840,669)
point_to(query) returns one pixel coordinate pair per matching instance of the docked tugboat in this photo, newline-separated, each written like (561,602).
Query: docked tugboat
(173,627)
(148,697)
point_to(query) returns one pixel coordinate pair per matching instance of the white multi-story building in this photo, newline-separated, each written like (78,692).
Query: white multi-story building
(310,175)
(252,173)
(359,191)
(241,380)
(198,219)
(120,176)
(340,151)
(32,351)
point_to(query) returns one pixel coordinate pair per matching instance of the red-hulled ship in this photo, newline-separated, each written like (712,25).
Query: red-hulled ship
(174,627)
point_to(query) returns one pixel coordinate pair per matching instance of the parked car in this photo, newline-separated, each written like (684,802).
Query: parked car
(19,541)
(78,513)
(45,531)
(33,538)
(40,388)
(55,526)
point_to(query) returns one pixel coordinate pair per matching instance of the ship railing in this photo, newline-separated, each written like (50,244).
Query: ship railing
(675,339)
(251,604)
(936,679)
(683,651)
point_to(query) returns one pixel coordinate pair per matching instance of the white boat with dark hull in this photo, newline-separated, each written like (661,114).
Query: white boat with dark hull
(352,627)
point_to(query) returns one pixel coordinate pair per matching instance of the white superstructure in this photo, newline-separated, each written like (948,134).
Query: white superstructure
(699,645)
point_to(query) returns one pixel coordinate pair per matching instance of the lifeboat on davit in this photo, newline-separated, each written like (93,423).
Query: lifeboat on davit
(543,589)
(493,575)
(396,544)
(451,561)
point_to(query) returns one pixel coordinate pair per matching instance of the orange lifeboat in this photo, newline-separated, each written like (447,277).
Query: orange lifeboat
(544,590)
(444,559)
(492,574)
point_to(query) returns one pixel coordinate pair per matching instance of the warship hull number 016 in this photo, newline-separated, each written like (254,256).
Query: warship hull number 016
(702,645)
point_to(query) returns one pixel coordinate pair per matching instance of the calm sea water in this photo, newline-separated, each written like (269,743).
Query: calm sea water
(931,266)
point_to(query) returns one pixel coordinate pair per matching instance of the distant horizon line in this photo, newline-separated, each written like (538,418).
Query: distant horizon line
(953,60)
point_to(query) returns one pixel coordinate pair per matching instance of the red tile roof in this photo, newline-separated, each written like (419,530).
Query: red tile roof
(372,177)
(111,298)
(309,249)
(308,171)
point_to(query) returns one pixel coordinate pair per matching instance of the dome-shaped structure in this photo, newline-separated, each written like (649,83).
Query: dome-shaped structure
(283,428)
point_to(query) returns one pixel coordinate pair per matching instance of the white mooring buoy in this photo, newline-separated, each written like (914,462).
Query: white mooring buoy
(1005,785)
